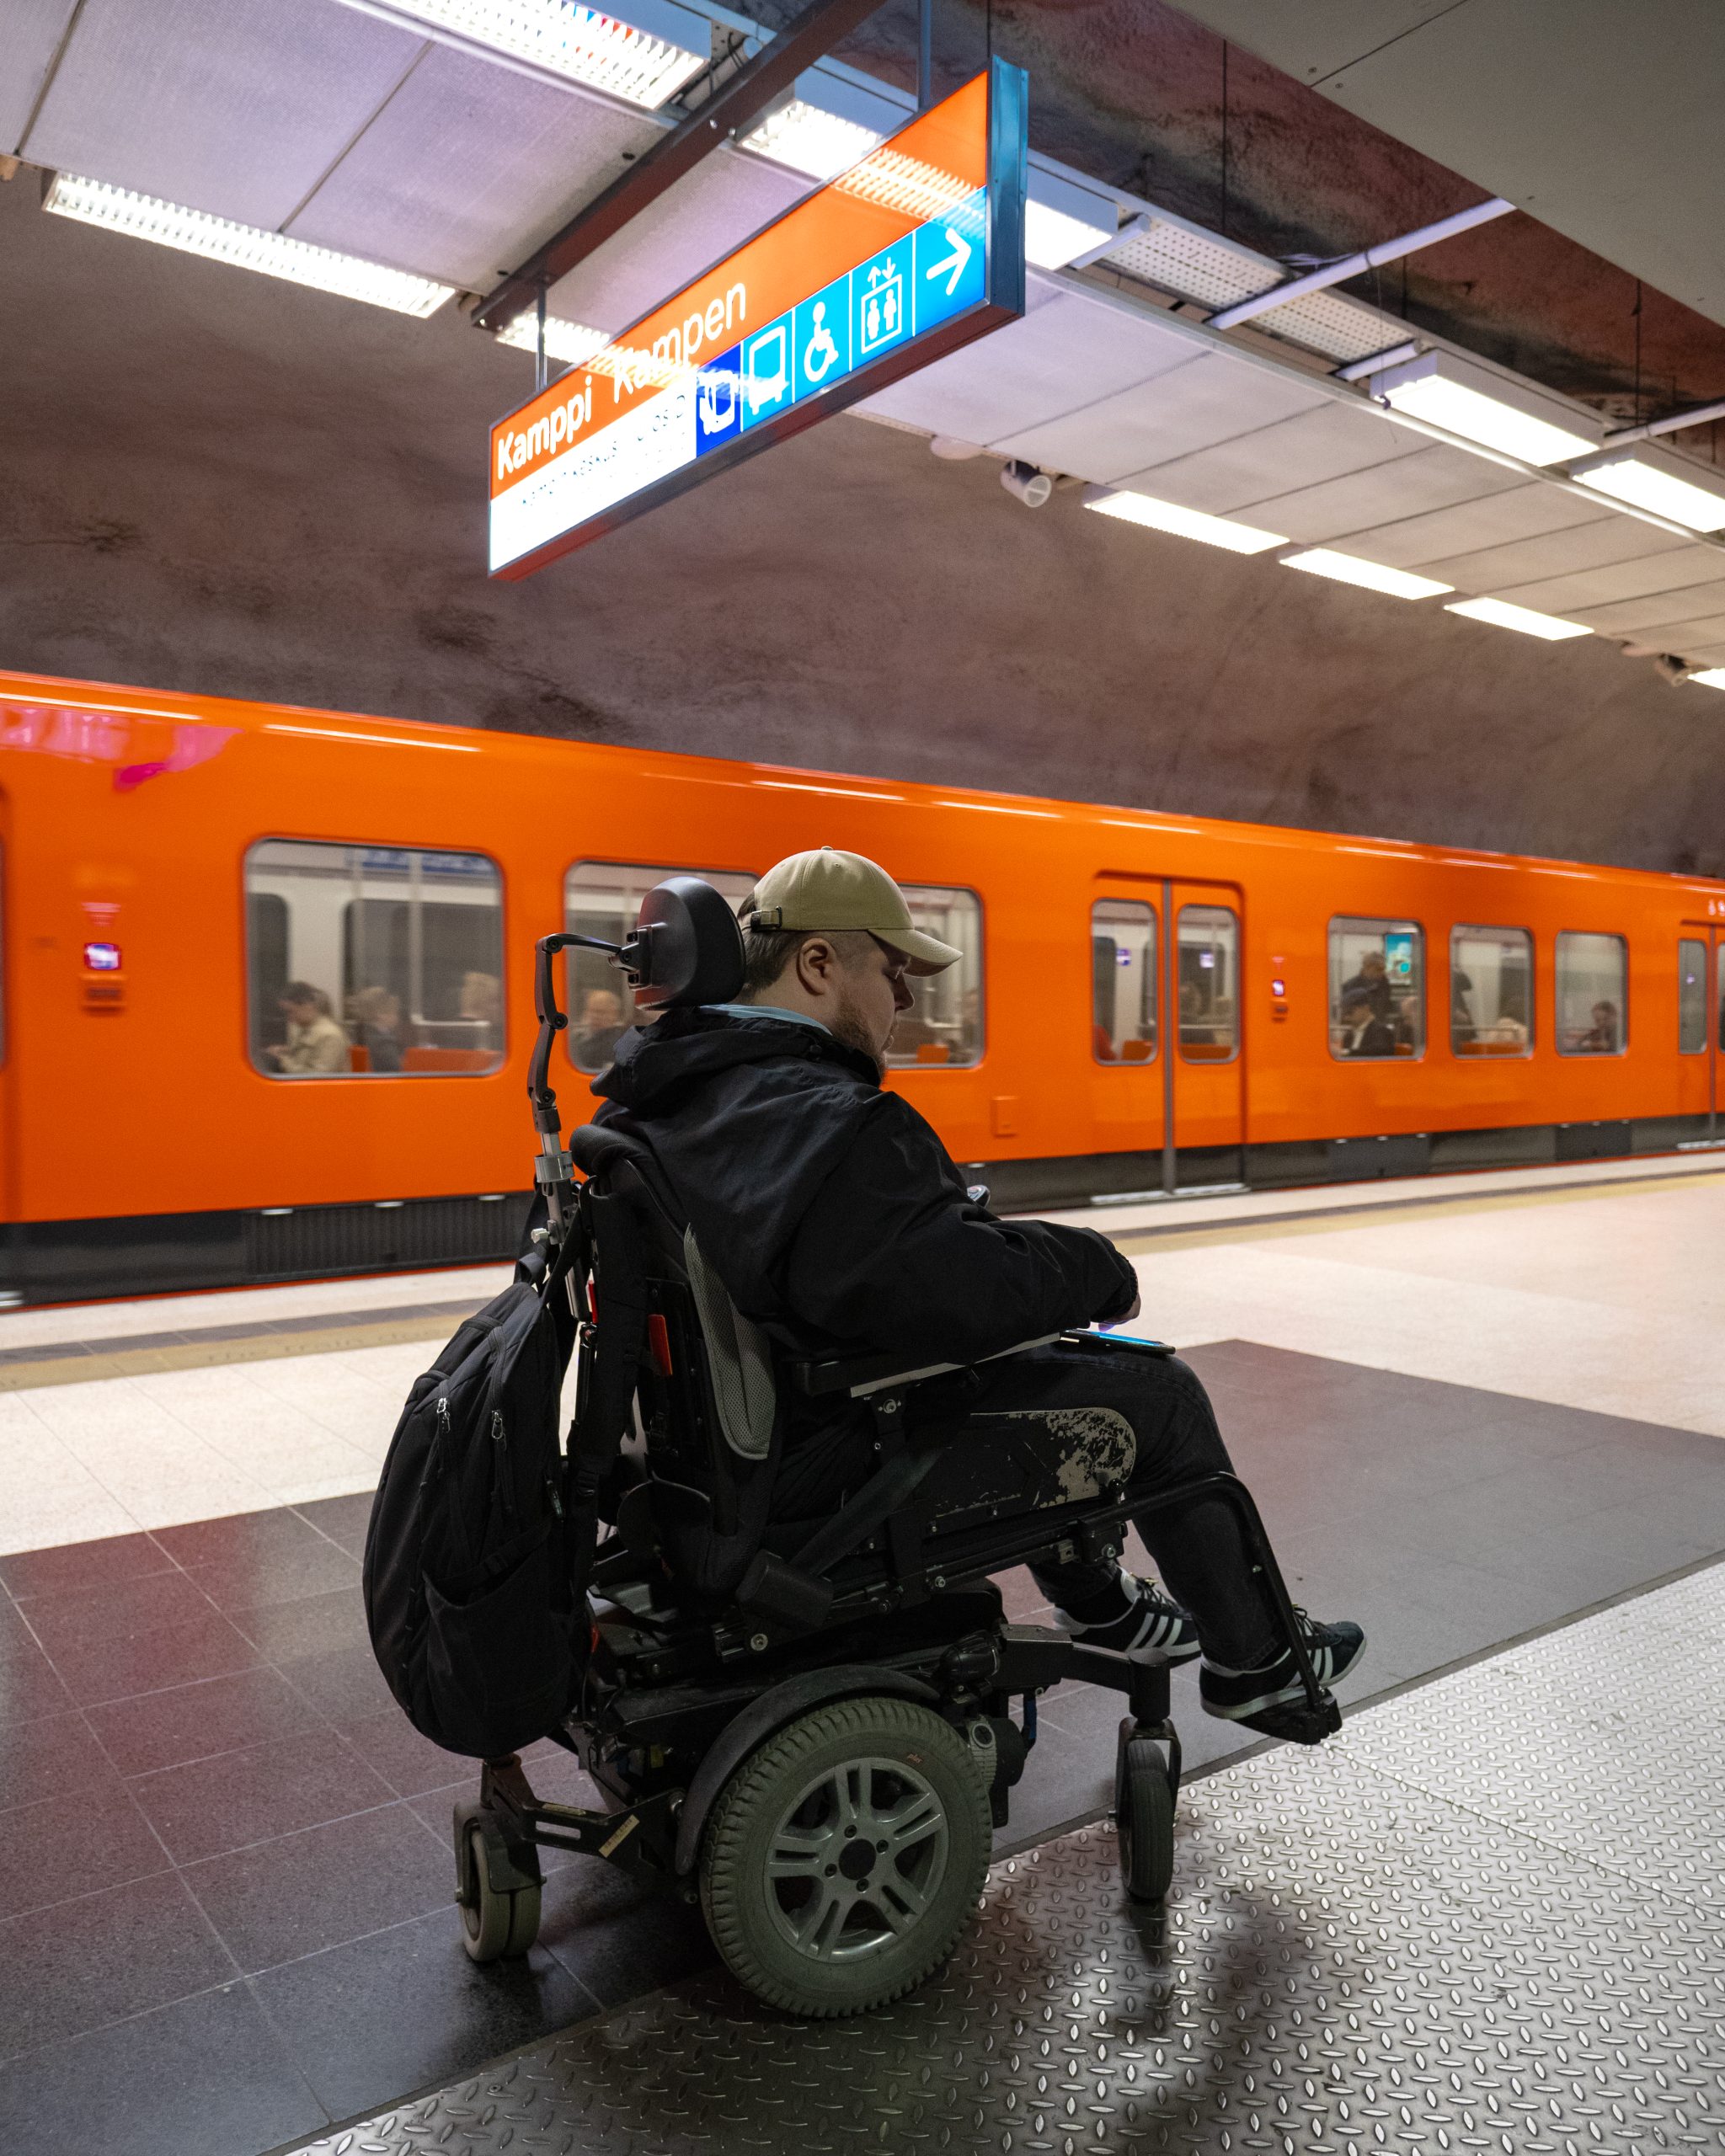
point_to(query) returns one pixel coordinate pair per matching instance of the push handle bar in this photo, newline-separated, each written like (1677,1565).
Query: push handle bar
(551,1170)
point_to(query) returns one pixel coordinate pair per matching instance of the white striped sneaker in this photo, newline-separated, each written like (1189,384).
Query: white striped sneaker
(1243,1694)
(1152,1625)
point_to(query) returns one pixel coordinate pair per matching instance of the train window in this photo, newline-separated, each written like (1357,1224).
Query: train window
(1207,983)
(1692,996)
(373,961)
(1122,965)
(944,1025)
(1592,995)
(602,898)
(1491,992)
(1377,989)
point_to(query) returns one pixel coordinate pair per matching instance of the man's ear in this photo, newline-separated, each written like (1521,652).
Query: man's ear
(816,963)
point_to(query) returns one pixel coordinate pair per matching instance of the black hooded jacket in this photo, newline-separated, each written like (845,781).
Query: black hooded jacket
(828,1207)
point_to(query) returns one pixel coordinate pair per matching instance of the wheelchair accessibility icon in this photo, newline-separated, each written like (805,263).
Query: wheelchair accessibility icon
(820,353)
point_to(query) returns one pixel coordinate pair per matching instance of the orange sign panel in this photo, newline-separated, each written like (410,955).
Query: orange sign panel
(914,251)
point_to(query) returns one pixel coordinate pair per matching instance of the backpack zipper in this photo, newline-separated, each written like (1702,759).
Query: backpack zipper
(504,1481)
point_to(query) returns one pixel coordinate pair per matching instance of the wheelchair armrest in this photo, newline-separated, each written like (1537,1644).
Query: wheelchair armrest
(859,1375)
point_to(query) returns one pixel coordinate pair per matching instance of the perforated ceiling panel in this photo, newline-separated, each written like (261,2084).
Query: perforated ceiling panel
(467,169)
(238,107)
(1069,351)
(33,32)
(1329,440)
(1198,266)
(1174,257)
(1327,322)
(721,203)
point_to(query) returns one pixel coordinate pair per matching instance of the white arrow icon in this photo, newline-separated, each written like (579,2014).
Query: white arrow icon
(956,261)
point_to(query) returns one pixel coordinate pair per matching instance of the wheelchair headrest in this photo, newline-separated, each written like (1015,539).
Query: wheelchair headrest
(687,947)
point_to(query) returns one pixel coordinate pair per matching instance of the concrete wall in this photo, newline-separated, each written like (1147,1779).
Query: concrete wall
(215,482)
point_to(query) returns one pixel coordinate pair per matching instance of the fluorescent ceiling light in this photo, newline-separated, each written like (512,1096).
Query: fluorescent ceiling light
(1710,677)
(1484,408)
(808,139)
(1063,219)
(195,232)
(1372,576)
(1184,523)
(1502,615)
(1654,479)
(644,55)
(571,342)
(1052,237)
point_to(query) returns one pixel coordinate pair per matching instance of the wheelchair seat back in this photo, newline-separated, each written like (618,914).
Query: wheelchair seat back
(706,1395)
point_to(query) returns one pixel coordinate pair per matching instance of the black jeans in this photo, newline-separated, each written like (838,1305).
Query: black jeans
(1059,1424)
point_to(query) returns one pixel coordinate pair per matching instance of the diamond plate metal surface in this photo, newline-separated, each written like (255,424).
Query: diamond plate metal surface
(1487,1919)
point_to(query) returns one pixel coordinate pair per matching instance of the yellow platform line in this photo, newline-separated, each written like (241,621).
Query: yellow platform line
(205,1354)
(1391,1213)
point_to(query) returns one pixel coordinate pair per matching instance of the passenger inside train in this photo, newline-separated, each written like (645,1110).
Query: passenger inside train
(843,1226)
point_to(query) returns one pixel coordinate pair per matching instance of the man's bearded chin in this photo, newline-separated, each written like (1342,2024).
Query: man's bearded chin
(848,1026)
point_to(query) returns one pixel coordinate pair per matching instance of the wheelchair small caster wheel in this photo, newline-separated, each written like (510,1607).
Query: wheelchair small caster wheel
(1144,1817)
(494,1924)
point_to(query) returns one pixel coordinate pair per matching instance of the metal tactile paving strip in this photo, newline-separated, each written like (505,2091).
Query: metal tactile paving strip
(1364,1955)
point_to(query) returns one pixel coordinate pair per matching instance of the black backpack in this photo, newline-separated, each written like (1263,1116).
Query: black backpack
(483,1532)
(469,1588)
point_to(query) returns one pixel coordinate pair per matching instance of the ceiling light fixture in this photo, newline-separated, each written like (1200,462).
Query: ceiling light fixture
(571,342)
(1183,523)
(273,254)
(1710,677)
(1502,615)
(1490,409)
(1063,221)
(1655,479)
(808,139)
(1370,576)
(644,54)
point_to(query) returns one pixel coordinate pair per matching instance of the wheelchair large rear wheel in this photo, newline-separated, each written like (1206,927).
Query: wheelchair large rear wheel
(845,1856)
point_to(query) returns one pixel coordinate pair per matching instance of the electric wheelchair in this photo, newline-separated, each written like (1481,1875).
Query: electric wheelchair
(810,1727)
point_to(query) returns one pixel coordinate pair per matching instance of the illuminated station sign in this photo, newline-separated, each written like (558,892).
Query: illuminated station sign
(915,251)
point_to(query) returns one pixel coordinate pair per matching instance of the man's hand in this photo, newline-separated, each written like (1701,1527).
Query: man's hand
(1127,1316)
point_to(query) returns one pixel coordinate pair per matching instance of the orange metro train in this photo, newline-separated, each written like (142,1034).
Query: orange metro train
(265,984)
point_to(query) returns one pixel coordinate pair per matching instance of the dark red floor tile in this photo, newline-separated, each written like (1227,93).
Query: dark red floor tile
(54,1849)
(241,1797)
(104,1563)
(205,2077)
(97,1668)
(303,1893)
(194,1722)
(102,1956)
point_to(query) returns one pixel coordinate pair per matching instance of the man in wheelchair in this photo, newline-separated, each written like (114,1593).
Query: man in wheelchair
(840,1228)
(823,1396)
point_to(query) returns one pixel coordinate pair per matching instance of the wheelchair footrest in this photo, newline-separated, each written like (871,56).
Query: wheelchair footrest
(1297,1723)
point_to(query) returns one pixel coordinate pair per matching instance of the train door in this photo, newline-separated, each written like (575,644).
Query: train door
(1207,1071)
(1165,1025)
(1701,1018)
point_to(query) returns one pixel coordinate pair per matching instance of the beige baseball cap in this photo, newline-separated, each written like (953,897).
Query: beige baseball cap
(826,891)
